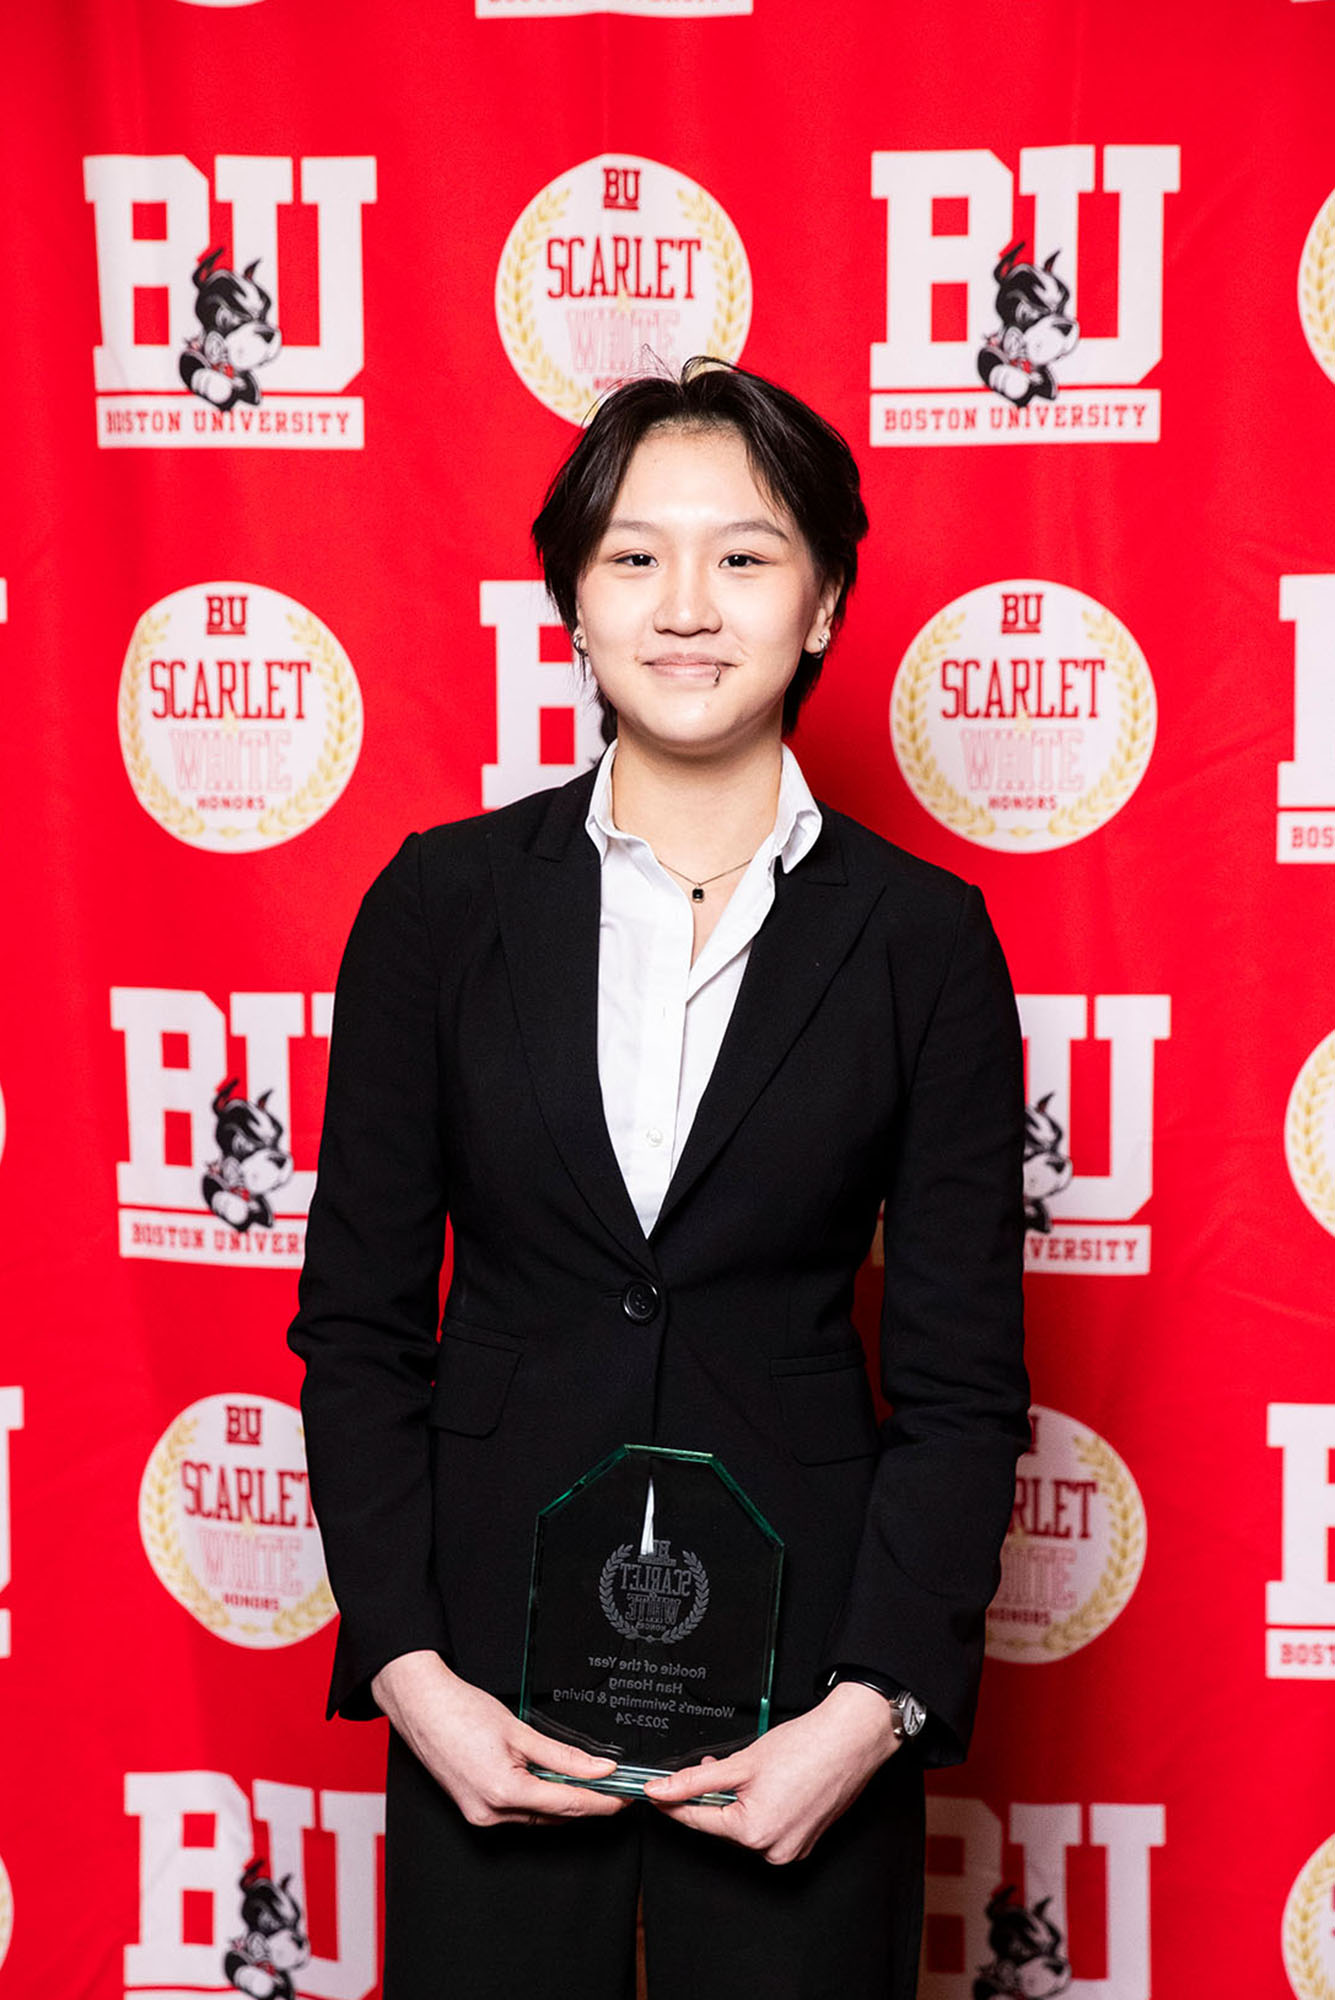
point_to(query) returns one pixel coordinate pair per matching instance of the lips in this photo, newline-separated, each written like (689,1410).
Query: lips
(687,666)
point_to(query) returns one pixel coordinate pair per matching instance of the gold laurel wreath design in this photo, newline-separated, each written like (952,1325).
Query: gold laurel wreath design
(1309,1899)
(514,309)
(6,1912)
(732,306)
(312,1611)
(908,721)
(1316,287)
(1126,1551)
(157,1524)
(169,811)
(162,1539)
(1304,1136)
(1135,734)
(342,734)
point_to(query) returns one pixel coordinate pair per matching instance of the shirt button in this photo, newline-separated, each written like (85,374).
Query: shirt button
(654,1135)
(640,1301)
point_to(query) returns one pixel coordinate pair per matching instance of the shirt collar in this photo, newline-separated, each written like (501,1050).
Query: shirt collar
(797,820)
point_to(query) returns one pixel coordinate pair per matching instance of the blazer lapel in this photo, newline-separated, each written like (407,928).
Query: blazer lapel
(816,918)
(547,899)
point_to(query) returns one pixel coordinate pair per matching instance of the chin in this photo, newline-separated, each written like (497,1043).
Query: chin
(700,736)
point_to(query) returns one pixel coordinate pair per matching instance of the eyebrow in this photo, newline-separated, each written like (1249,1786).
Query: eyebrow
(622,526)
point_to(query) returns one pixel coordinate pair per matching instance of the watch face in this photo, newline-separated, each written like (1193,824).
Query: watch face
(912,1713)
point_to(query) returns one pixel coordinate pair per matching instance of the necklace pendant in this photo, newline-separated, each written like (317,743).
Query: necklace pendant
(697,894)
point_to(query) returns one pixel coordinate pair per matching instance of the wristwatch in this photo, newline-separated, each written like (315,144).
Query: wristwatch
(907,1714)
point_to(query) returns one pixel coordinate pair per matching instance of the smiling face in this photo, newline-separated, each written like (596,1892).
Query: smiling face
(699,598)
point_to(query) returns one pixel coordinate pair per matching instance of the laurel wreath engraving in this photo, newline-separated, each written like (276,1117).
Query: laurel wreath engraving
(690,1561)
(1305,1133)
(1126,1551)
(1304,1916)
(1135,732)
(908,723)
(162,1538)
(732,308)
(1316,287)
(342,734)
(152,794)
(6,1913)
(162,1543)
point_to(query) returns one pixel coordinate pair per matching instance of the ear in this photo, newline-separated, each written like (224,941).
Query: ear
(818,632)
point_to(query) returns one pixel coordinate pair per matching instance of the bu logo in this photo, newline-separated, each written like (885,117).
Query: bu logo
(1300,1602)
(548,727)
(210,1177)
(1003,1944)
(1081,1222)
(191,352)
(254,1895)
(969,299)
(1306,818)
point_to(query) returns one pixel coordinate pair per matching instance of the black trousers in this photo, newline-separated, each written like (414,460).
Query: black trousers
(548,1913)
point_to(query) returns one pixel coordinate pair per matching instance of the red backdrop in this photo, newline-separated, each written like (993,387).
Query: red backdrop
(269,603)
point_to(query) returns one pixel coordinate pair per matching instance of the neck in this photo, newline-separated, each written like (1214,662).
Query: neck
(702,814)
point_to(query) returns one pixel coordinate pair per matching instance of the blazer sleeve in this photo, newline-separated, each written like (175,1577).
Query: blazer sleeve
(952,1365)
(367,1323)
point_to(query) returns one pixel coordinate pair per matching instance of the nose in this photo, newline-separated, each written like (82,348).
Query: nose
(686,602)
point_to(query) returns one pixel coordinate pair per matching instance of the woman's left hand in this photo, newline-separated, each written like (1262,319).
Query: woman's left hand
(792,1782)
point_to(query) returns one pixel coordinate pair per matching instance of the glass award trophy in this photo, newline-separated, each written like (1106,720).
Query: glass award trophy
(651,1618)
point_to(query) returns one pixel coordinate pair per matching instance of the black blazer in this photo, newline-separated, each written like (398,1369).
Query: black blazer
(874,1053)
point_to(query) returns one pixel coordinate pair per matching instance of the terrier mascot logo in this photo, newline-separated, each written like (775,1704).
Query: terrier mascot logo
(1028,1955)
(251,1160)
(235,336)
(1036,330)
(1047,1166)
(273,1945)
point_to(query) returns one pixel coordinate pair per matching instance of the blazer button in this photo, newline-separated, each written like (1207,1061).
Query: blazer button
(640,1301)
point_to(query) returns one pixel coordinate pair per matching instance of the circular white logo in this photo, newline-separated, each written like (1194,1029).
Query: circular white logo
(6,1913)
(226,1521)
(240,716)
(1075,1547)
(617,268)
(1316,287)
(1023,715)
(1307,1939)
(1309,1133)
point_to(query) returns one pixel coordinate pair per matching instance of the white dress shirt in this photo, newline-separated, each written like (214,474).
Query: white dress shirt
(661,1019)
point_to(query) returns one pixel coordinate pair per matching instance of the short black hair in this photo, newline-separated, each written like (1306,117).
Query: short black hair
(798,459)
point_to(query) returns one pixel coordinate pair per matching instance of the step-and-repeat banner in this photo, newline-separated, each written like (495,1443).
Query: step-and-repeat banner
(306,302)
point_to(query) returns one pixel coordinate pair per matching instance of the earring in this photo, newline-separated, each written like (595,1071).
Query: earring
(823,640)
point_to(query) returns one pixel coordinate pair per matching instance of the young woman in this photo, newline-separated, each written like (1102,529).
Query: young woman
(659,1043)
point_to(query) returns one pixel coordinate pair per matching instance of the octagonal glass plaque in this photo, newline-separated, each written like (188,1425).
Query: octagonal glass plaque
(652,1614)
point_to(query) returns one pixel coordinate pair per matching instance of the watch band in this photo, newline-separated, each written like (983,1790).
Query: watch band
(908,1716)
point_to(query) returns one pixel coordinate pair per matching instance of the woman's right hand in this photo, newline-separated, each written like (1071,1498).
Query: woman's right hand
(479,1752)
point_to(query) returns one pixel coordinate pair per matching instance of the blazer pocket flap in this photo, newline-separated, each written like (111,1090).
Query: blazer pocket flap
(826,1405)
(473,1375)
